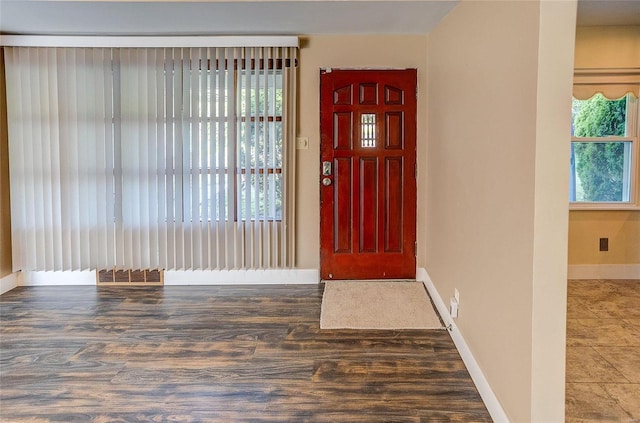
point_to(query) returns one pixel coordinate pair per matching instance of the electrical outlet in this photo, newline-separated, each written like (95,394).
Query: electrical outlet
(453,308)
(604,244)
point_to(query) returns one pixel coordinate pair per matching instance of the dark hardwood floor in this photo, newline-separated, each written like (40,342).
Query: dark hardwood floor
(216,354)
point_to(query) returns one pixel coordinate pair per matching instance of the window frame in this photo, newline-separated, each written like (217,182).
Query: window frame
(238,120)
(243,120)
(633,131)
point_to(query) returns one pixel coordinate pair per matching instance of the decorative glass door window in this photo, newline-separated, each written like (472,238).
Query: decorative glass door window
(368,130)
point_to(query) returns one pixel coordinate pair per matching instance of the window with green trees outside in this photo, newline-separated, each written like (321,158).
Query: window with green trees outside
(604,138)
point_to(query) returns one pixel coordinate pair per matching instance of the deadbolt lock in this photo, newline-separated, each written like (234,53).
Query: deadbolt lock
(326,168)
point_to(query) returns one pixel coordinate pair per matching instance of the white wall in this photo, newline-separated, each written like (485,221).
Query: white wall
(499,99)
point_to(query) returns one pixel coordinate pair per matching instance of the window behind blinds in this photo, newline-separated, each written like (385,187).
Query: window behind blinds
(136,158)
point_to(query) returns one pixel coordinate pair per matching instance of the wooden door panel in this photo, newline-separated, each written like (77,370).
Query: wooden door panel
(343,131)
(393,95)
(368,229)
(394,134)
(343,95)
(368,93)
(393,205)
(343,215)
(368,209)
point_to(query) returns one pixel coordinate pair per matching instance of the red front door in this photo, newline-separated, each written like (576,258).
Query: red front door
(367,174)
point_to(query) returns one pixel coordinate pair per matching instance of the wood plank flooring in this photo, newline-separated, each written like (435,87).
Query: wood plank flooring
(217,354)
(603,351)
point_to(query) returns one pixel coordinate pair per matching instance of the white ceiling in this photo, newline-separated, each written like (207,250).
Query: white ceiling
(251,17)
(608,12)
(215,17)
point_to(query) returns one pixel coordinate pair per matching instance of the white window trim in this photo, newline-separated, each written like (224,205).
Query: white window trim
(633,119)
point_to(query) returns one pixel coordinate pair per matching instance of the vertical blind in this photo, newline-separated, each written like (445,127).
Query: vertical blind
(152,158)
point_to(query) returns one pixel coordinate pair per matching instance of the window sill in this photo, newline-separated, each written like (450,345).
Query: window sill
(603,207)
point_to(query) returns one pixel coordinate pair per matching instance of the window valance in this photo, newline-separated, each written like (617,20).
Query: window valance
(613,83)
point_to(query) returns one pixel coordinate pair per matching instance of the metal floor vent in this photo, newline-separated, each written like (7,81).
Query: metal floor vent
(144,277)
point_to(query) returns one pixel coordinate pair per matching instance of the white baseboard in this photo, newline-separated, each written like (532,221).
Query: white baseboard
(242,277)
(604,271)
(9,282)
(486,393)
(85,277)
(186,277)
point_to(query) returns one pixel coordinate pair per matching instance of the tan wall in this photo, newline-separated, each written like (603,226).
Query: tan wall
(553,122)
(621,227)
(601,47)
(5,214)
(361,51)
(607,46)
(499,84)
